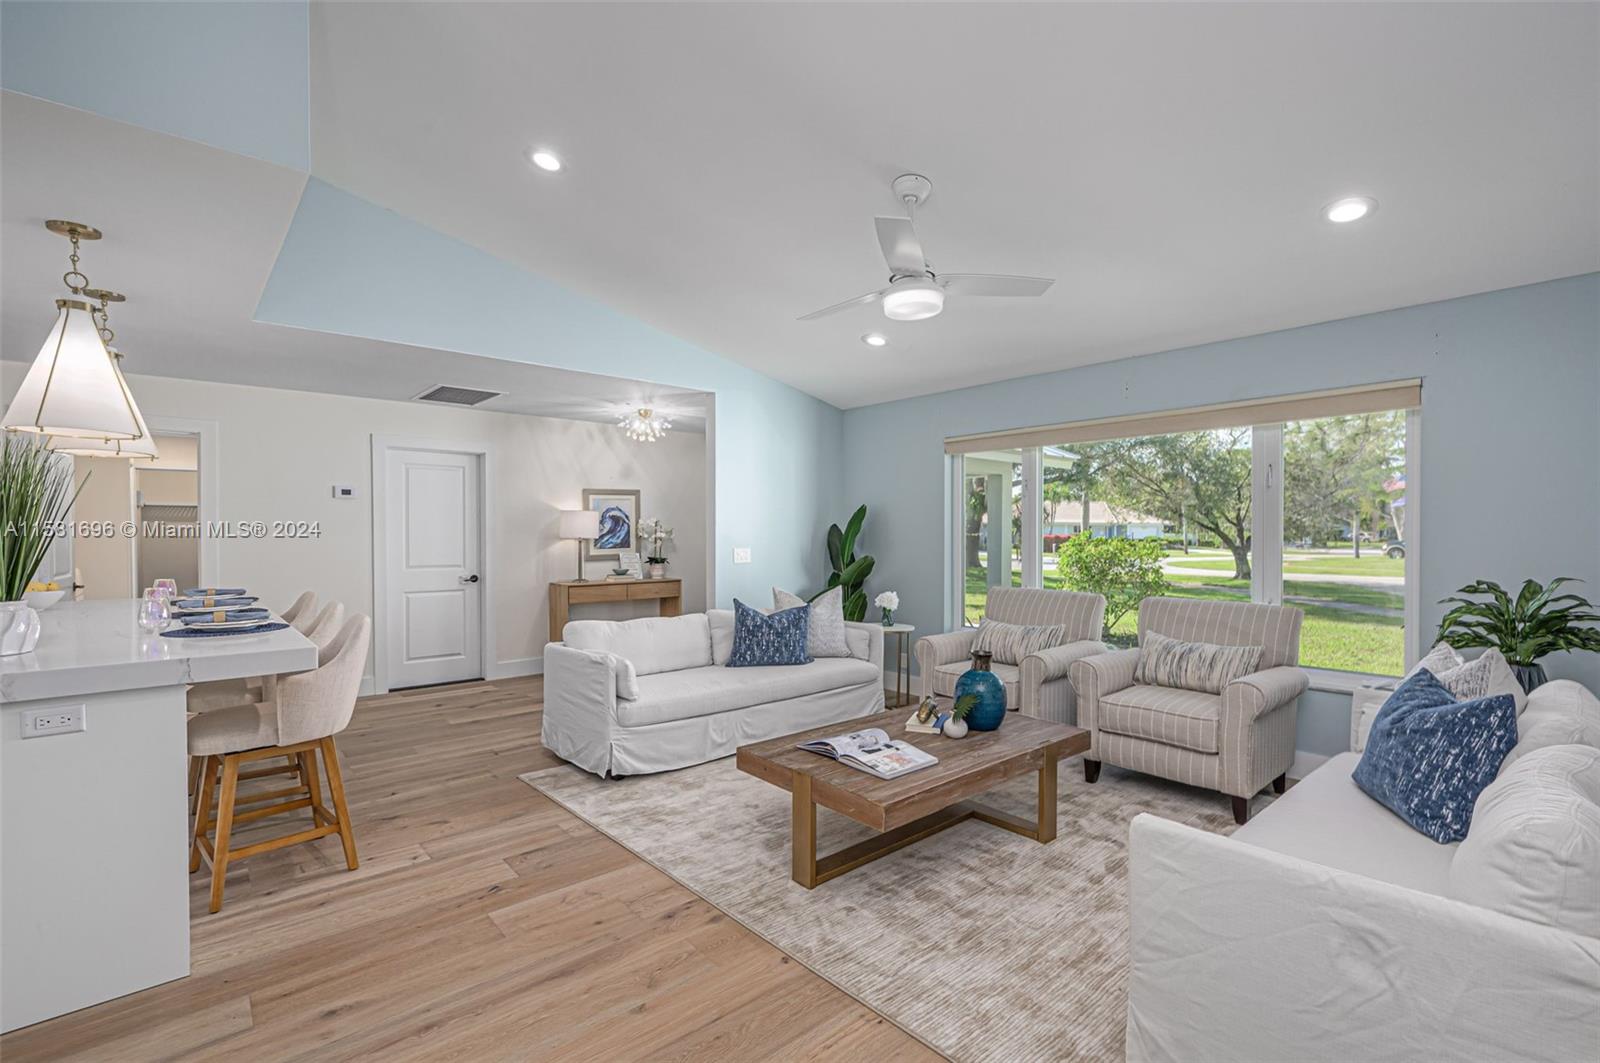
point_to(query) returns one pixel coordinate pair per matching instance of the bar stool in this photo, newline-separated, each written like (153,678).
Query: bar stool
(299,722)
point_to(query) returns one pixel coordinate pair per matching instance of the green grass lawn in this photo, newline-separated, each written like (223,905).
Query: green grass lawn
(1374,565)
(1330,637)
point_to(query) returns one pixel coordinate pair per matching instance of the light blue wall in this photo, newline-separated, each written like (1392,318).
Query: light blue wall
(350,267)
(232,75)
(1510,441)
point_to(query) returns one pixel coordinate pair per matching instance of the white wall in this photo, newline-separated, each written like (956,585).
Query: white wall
(279,454)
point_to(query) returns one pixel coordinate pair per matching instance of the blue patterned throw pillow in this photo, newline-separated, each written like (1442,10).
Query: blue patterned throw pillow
(760,639)
(1430,756)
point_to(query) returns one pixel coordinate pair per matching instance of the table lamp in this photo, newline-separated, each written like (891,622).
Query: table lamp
(580,524)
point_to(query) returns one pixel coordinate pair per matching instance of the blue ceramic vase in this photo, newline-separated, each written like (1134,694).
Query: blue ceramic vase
(990,711)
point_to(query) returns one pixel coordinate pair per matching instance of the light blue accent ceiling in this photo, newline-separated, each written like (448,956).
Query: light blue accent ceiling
(351,267)
(233,75)
(1510,442)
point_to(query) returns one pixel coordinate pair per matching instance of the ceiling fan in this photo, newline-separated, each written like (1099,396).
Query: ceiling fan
(915,292)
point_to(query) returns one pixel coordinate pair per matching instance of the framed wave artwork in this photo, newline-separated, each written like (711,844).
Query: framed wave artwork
(619,516)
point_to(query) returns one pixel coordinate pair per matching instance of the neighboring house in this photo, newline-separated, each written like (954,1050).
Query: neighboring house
(1105,521)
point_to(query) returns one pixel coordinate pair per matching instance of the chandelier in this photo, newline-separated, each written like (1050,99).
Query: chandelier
(73,387)
(644,425)
(142,448)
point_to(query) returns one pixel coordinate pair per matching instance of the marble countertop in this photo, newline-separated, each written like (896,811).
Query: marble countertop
(98,646)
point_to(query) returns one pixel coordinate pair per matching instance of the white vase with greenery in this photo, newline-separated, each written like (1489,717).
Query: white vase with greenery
(35,493)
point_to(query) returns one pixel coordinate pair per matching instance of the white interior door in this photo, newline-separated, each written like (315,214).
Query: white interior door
(433,533)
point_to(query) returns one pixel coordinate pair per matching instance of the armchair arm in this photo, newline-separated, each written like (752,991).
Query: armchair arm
(1096,676)
(1046,692)
(1256,730)
(580,705)
(934,650)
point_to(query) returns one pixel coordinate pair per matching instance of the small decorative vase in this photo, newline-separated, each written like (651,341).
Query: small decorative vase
(19,628)
(888,618)
(1530,676)
(955,729)
(990,711)
(655,571)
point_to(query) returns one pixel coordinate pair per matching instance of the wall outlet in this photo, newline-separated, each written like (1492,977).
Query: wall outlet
(741,555)
(67,719)
(343,491)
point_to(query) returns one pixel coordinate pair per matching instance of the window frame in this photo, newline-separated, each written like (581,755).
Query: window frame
(1266,532)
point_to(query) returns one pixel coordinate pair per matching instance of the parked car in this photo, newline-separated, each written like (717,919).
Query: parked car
(1395,550)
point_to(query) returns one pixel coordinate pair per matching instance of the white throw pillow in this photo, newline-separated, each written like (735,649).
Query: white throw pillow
(627,678)
(1483,676)
(1559,713)
(1441,658)
(1533,850)
(824,621)
(653,643)
(721,621)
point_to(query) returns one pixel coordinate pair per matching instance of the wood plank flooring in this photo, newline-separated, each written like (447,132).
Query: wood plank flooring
(485,923)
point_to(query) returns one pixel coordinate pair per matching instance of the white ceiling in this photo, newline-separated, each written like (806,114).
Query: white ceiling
(1165,163)
(191,236)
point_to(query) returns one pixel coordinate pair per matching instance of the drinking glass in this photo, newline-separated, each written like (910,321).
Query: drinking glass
(154,614)
(167,588)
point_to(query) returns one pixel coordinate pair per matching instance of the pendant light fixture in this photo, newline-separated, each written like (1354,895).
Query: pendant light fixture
(644,425)
(142,448)
(73,388)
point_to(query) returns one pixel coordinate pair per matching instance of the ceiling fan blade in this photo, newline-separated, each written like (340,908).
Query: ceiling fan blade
(860,300)
(993,284)
(901,248)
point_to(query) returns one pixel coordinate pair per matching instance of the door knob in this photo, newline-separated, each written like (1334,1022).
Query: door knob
(470,579)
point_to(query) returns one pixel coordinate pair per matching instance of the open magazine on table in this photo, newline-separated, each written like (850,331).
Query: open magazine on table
(872,751)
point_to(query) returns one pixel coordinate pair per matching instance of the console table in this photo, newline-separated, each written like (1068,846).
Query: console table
(567,593)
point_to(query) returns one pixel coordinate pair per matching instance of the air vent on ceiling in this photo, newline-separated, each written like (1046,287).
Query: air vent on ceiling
(455,396)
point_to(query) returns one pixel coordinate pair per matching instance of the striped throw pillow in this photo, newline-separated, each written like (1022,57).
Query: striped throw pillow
(1010,643)
(1165,662)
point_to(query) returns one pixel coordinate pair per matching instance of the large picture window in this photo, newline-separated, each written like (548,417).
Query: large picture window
(1310,512)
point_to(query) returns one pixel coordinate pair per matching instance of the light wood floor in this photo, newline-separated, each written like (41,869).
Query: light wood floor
(485,922)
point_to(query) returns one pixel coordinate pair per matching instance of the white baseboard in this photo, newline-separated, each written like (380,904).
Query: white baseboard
(516,668)
(369,686)
(1305,763)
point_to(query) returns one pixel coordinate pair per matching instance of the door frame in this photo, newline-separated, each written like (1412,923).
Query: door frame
(208,484)
(378,477)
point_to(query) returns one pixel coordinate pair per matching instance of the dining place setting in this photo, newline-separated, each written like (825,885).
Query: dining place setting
(205,612)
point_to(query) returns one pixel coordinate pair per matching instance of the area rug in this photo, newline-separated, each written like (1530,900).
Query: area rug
(981,943)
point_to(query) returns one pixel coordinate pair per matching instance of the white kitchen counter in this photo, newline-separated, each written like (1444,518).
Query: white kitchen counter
(92,647)
(94,824)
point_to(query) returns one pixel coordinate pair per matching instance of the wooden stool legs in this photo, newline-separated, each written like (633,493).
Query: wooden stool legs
(219,851)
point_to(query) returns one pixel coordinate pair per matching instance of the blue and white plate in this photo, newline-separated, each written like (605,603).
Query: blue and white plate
(198,605)
(229,616)
(213,592)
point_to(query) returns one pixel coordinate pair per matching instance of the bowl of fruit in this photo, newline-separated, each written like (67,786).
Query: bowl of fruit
(41,596)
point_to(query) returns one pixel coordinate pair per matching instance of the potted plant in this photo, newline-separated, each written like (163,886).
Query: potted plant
(956,725)
(35,493)
(1537,622)
(656,534)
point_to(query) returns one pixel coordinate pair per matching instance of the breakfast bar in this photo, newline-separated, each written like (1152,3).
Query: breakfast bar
(94,831)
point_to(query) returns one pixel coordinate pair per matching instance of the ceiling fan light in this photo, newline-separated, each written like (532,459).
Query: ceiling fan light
(913,301)
(73,387)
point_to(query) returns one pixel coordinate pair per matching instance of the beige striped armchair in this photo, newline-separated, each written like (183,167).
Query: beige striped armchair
(1038,684)
(1237,741)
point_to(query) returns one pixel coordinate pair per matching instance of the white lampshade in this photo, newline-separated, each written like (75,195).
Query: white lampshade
(579,524)
(140,449)
(73,387)
(913,300)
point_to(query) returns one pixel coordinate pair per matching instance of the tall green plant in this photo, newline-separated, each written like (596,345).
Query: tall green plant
(1537,622)
(849,571)
(35,493)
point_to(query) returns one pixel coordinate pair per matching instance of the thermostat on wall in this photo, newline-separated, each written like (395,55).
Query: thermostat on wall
(342,491)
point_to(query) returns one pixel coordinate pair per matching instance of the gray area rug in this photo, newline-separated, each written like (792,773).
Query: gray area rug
(983,944)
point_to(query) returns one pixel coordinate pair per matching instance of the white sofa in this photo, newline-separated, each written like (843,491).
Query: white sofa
(1328,929)
(638,696)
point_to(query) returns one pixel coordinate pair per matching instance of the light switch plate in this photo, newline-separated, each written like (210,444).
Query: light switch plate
(64,719)
(741,555)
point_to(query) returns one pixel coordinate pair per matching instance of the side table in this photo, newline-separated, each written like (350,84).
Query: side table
(902,661)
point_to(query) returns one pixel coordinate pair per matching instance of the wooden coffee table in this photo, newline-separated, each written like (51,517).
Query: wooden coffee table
(917,804)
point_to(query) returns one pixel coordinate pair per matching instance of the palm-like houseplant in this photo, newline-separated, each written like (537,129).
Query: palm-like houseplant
(1537,622)
(35,493)
(849,571)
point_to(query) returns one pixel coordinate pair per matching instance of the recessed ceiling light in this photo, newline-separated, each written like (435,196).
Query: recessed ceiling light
(1350,208)
(875,339)
(547,161)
